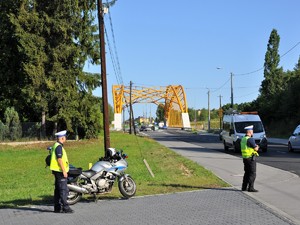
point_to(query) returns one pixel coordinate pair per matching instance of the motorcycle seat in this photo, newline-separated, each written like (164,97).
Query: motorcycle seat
(88,173)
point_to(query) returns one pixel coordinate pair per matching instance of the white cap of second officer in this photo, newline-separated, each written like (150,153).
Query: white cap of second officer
(249,127)
(61,133)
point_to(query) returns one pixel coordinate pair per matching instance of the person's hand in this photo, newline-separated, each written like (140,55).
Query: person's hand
(65,174)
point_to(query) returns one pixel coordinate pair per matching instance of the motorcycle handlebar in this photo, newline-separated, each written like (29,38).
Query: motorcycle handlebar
(117,156)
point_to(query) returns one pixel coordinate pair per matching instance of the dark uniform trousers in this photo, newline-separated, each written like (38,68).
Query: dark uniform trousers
(60,192)
(250,173)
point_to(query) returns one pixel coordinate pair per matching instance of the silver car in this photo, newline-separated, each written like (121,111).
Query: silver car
(294,140)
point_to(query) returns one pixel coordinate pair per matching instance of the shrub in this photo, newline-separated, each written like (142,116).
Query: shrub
(13,124)
(3,131)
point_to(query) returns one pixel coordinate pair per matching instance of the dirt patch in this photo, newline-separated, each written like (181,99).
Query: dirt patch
(186,171)
(24,143)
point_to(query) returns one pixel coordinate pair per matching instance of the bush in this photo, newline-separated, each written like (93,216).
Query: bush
(13,124)
(3,131)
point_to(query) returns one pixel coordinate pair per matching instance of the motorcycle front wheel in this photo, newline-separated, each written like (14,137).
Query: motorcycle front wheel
(73,197)
(127,187)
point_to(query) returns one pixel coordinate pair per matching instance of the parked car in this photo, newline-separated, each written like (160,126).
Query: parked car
(294,140)
(144,128)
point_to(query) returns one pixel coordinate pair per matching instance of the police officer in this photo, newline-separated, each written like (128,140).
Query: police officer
(249,152)
(60,167)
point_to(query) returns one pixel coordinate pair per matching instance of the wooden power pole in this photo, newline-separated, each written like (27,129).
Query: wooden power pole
(103,77)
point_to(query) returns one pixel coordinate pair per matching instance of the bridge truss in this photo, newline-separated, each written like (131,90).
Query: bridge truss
(172,97)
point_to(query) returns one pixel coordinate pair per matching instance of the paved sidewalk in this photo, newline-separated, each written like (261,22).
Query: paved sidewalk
(206,207)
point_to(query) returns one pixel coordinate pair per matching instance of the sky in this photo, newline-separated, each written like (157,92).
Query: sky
(197,44)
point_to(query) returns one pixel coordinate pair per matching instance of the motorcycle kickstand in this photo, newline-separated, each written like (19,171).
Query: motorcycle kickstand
(95,198)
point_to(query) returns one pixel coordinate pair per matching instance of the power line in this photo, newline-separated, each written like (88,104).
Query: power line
(254,92)
(280,57)
(242,74)
(113,54)
(115,46)
(222,85)
(290,49)
(113,59)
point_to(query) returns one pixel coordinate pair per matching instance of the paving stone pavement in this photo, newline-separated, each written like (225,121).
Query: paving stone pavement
(205,207)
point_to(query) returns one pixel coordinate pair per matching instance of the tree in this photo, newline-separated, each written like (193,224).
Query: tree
(71,42)
(12,122)
(29,29)
(160,113)
(10,60)
(191,112)
(4,131)
(297,66)
(204,114)
(271,82)
(273,85)
(52,41)
(290,101)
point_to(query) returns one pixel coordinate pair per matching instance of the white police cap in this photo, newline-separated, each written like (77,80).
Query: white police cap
(61,133)
(249,127)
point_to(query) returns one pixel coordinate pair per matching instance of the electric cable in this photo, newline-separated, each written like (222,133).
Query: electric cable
(221,86)
(119,81)
(280,57)
(113,54)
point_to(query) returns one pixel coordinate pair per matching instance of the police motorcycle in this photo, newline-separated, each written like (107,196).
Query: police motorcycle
(101,177)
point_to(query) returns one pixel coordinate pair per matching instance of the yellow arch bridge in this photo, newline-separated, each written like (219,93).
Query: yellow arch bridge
(172,97)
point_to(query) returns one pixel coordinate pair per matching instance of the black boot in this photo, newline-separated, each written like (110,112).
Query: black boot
(244,187)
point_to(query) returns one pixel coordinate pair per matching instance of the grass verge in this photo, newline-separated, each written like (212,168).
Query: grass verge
(24,180)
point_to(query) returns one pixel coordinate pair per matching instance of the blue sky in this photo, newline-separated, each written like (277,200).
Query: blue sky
(173,42)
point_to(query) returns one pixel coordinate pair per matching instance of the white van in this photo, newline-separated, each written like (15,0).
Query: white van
(233,130)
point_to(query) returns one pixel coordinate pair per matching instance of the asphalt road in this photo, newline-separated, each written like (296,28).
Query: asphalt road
(277,155)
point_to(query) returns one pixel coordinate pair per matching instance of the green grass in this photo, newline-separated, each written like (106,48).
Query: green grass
(24,179)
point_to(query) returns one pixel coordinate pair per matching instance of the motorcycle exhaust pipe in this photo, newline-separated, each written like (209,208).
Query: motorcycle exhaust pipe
(77,189)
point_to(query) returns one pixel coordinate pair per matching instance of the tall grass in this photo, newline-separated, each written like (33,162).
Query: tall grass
(25,180)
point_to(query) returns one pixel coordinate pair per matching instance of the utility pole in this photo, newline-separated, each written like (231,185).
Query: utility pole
(103,77)
(195,120)
(231,78)
(123,111)
(208,124)
(130,108)
(220,111)
(131,120)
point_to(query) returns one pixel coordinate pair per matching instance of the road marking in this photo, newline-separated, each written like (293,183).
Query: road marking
(281,152)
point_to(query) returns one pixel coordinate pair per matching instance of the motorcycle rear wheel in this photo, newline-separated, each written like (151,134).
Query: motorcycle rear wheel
(73,197)
(127,187)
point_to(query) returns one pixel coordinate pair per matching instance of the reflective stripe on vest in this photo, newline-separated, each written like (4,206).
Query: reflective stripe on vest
(54,163)
(247,151)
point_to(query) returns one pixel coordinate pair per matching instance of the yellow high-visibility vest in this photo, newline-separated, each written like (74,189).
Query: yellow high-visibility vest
(247,151)
(54,163)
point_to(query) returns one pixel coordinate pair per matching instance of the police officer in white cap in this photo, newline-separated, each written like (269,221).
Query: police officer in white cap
(60,167)
(249,152)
